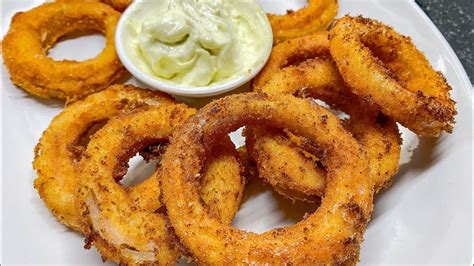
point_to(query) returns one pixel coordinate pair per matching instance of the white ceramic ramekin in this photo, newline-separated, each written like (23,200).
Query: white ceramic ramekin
(171,88)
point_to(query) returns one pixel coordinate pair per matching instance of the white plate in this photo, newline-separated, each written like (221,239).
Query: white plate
(425,217)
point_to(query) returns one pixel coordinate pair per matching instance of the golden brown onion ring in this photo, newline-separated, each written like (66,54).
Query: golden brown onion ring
(317,77)
(128,225)
(34,32)
(386,69)
(331,235)
(62,145)
(316,17)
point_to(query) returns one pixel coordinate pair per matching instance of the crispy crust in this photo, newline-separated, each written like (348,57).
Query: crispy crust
(223,181)
(128,225)
(32,33)
(60,148)
(316,17)
(331,235)
(292,53)
(285,165)
(303,67)
(386,69)
(135,118)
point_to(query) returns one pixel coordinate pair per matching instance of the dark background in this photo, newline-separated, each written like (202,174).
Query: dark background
(454,18)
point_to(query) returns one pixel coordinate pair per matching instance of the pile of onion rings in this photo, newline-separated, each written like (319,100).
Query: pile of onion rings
(119,5)
(70,155)
(34,32)
(303,67)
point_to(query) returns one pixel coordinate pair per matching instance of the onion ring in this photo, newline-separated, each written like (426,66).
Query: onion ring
(386,69)
(316,17)
(61,147)
(34,32)
(127,225)
(317,77)
(331,235)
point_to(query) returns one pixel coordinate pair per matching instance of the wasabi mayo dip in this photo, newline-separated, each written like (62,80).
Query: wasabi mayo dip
(197,43)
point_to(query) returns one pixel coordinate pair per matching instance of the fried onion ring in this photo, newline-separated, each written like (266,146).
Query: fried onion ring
(386,69)
(331,235)
(317,77)
(127,225)
(62,145)
(34,32)
(316,17)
